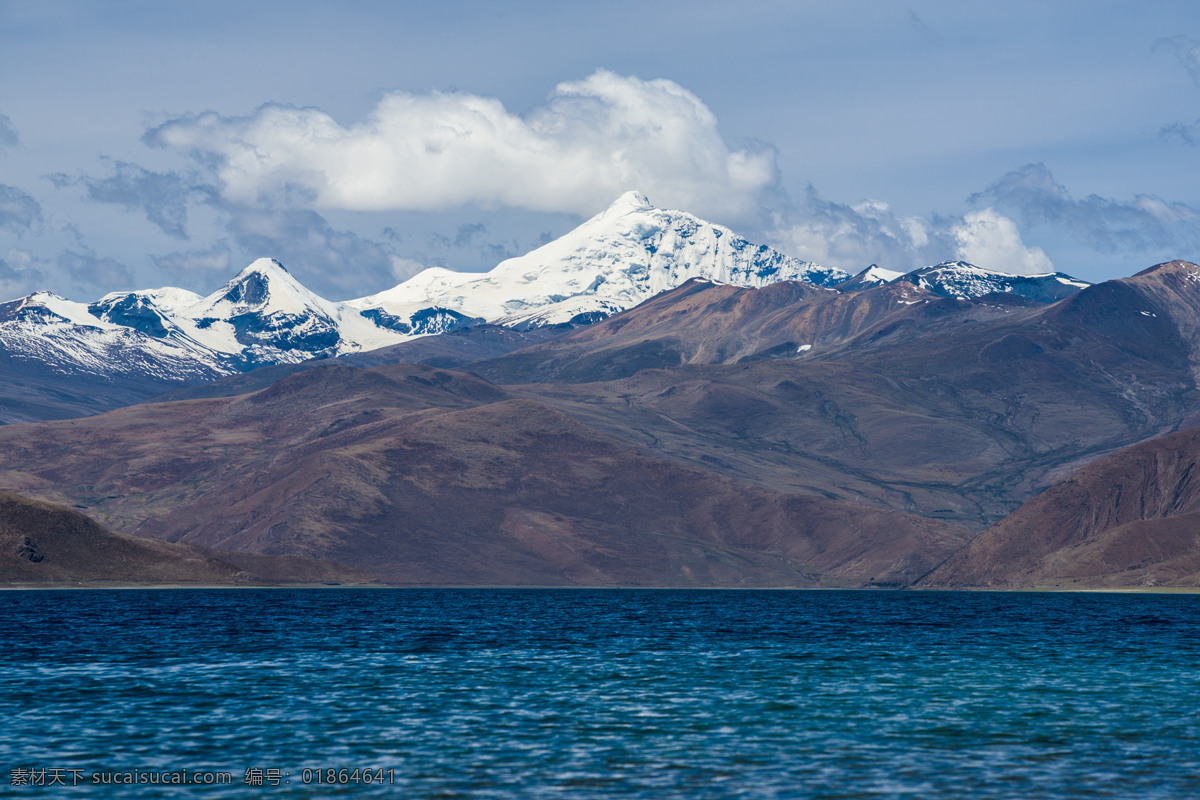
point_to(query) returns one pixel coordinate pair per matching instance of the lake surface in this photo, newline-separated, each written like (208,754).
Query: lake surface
(590,694)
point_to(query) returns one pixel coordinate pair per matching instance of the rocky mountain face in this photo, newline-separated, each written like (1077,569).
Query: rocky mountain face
(42,544)
(1131,519)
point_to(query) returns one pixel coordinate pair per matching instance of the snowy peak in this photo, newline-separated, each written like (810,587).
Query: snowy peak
(122,335)
(623,256)
(265,315)
(268,267)
(46,309)
(619,258)
(629,202)
(963,281)
(249,289)
(265,287)
(262,316)
(870,277)
(136,310)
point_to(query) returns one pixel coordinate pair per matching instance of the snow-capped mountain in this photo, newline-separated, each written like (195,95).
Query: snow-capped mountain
(61,336)
(614,261)
(617,259)
(262,316)
(870,277)
(963,281)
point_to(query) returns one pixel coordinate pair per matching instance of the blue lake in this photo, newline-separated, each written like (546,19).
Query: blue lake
(588,694)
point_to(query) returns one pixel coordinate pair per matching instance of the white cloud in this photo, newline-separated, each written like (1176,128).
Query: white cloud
(592,140)
(852,236)
(1141,226)
(991,240)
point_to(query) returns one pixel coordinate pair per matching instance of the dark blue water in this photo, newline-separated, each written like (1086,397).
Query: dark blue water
(583,694)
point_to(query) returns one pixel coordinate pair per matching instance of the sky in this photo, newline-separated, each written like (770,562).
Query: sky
(146,144)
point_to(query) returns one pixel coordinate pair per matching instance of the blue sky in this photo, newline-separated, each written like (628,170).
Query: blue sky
(170,143)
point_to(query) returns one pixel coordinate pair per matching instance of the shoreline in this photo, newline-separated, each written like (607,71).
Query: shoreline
(1144,590)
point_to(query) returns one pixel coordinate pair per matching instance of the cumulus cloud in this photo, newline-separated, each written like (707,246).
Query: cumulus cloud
(852,236)
(870,232)
(990,239)
(162,196)
(18,211)
(1145,223)
(592,140)
(8,134)
(101,271)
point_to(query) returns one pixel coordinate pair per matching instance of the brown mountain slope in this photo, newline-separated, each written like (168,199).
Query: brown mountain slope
(963,420)
(1131,519)
(706,323)
(423,476)
(42,544)
(770,468)
(954,409)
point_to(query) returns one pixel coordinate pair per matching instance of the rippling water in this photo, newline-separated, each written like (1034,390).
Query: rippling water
(580,694)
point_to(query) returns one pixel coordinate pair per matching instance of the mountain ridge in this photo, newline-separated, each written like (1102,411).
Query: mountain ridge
(142,343)
(145,342)
(658,446)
